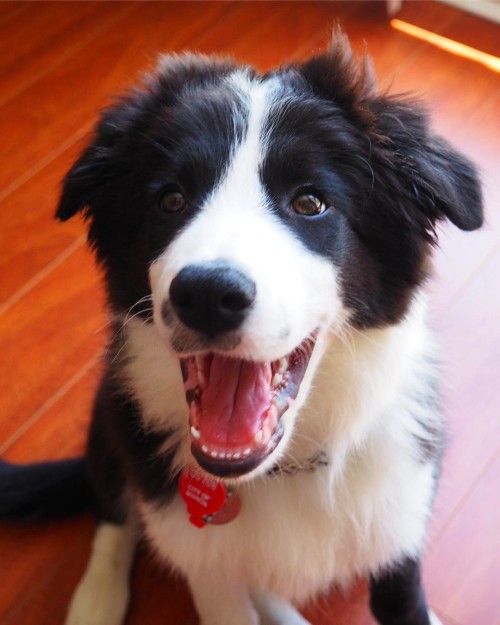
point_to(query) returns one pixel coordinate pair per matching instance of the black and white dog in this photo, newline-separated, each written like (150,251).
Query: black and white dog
(269,415)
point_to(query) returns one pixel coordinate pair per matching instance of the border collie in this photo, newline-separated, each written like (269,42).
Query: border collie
(268,419)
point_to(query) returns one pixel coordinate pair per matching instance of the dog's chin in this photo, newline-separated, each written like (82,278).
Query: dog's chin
(236,406)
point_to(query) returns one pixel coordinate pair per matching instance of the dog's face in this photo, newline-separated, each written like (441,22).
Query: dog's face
(263,214)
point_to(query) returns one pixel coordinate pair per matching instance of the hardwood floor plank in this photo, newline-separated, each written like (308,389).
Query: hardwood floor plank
(462,568)
(37,41)
(47,336)
(10,9)
(30,237)
(470,336)
(69,96)
(32,554)
(284,30)
(58,429)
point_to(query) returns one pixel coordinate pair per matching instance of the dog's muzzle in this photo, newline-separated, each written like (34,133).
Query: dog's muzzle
(235,405)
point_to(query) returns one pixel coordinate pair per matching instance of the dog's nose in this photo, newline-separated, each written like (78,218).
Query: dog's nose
(212,297)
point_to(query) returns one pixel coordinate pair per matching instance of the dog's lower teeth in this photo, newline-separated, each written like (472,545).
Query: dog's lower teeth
(195,433)
(258,437)
(277,379)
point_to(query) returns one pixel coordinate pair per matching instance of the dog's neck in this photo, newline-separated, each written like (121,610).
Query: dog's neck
(357,379)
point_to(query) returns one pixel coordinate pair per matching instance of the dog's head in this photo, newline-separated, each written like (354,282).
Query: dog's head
(263,213)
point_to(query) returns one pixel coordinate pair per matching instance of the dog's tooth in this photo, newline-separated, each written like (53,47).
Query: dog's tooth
(283,365)
(247,452)
(258,437)
(277,379)
(266,433)
(195,433)
(237,455)
(199,370)
(272,417)
(214,454)
(204,449)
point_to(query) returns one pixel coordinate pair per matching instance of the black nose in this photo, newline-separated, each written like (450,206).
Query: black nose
(212,297)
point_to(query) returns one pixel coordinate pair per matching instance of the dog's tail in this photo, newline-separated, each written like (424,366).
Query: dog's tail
(44,490)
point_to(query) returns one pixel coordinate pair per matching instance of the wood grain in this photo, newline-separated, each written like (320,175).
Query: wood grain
(46,34)
(462,568)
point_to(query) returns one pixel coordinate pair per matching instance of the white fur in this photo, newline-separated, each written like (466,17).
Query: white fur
(367,508)
(102,595)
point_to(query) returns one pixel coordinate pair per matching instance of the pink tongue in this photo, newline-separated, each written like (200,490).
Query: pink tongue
(235,399)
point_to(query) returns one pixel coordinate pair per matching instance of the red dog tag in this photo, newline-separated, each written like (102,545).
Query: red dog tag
(204,496)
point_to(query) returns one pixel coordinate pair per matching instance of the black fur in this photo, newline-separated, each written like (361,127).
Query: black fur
(43,490)
(397,597)
(122,454)
(176,132)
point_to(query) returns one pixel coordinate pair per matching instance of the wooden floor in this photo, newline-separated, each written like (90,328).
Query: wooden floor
(59,63)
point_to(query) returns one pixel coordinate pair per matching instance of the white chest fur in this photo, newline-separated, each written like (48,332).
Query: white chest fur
(369,507)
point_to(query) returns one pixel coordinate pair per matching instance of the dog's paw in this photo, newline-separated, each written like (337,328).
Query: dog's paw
(98,604)
(94,606)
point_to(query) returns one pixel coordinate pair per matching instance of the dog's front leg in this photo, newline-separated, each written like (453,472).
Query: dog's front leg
(222,602)
(102,596)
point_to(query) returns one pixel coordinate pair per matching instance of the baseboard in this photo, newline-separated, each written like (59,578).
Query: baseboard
(489,9)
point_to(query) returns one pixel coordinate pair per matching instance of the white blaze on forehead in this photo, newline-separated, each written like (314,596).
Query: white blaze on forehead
(296,289)
(219,229)
(242,182)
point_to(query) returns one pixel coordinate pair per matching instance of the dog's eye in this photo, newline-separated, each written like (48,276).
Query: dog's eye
(173,202)
(308,205)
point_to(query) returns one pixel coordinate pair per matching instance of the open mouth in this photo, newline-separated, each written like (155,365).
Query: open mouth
(236,406)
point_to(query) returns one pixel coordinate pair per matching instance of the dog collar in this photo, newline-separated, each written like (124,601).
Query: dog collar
(210,501)
(319,459)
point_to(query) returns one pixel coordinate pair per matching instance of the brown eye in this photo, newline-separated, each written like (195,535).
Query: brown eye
(308,205)
(173,202)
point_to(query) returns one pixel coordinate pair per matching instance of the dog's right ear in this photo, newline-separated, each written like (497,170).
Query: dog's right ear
(113,152)
(79,185)
(102,162)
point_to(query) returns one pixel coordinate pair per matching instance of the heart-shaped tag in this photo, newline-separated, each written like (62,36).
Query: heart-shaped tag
(204,496)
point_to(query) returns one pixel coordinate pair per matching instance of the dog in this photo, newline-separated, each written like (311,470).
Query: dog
(269,416)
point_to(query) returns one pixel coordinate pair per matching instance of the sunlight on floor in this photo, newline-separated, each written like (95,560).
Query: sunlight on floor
(454,47)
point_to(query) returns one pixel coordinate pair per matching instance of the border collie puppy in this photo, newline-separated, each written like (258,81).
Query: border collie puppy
(268,418)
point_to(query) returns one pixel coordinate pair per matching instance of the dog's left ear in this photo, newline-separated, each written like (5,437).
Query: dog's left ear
(437,180)
(433,180)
